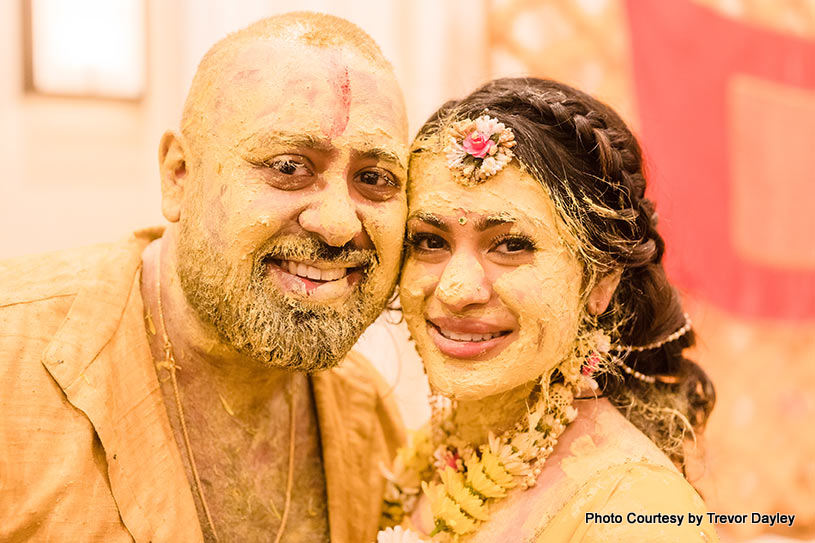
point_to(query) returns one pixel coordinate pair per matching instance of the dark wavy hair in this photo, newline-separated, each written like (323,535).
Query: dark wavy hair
(591,165)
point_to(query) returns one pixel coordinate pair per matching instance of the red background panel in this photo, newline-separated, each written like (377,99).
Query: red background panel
(685,58)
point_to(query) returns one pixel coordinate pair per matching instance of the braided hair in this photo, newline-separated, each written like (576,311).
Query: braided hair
(591,165)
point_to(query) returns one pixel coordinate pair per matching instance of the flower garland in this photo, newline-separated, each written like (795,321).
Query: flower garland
(460,480)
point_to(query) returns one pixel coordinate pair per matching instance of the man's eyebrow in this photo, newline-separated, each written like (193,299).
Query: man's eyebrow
(429,218)
(491,221)
(380,153)
(292,139)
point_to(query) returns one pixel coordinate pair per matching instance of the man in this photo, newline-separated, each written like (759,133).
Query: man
(171,387)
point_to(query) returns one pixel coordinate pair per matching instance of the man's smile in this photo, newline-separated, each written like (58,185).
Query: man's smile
(320,281)
(320,272)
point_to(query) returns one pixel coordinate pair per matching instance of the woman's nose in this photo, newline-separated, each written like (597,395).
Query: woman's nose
(463,283)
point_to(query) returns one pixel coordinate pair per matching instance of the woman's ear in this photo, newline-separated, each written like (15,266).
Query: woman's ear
(600,295)
(172,161)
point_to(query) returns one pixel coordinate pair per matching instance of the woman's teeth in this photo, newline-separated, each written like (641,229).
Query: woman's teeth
(468,337)
(310,272)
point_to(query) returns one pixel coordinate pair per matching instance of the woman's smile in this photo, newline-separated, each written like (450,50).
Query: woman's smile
(469,338)
(490,289)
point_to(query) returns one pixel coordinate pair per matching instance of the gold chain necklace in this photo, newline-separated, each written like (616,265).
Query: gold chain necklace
(170,364)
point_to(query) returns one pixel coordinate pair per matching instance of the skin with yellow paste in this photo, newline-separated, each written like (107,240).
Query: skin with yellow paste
(493,265)
(282,141)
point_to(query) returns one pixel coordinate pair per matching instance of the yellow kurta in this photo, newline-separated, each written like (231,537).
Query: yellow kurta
(86,448)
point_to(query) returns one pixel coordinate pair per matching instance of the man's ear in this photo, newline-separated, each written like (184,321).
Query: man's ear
(172,161)
(600,295)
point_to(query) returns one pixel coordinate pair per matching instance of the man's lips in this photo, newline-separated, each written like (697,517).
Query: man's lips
(468,338)
(316,271)
(319,280)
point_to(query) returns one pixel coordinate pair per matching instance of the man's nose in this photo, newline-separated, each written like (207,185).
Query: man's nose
(332,215)
(463,283)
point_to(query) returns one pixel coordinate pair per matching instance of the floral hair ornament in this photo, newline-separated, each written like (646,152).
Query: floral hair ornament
(478,149)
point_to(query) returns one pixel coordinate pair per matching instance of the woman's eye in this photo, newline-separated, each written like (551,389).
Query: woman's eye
(376,184)
(514,245)
(426,242)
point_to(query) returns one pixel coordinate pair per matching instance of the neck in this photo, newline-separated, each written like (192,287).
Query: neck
(475,419)
(204,361)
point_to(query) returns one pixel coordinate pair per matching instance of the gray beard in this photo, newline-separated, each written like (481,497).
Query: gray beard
(258,321)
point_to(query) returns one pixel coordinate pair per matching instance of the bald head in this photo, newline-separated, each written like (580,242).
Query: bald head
(294,140)
(304,28)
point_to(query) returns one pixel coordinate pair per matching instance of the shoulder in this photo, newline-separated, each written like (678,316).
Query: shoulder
(36,295)
(39,277)
(632,502)
(63,273)
(604,465)
(601,437)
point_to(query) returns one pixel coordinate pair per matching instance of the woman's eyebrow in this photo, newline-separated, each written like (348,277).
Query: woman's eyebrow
(481,224)
(429,218)
(491,221)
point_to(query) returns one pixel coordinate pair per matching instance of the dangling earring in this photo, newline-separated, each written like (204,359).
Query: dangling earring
(601,345)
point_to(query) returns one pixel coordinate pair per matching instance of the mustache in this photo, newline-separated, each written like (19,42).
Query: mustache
(309,247)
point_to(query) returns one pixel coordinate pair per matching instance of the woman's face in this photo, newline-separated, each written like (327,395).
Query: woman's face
(490,290)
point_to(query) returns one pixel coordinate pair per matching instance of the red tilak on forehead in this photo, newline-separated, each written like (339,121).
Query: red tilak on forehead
(341,84)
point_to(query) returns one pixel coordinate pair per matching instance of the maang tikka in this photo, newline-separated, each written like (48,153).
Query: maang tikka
(478,149)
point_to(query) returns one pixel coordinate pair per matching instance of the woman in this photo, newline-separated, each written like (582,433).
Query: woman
(533,267)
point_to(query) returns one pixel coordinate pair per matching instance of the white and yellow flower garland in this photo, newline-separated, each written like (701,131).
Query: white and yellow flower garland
(461,481)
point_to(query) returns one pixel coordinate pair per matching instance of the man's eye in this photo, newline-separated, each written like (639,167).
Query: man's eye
(377,184)
(285,172)
(376,177)
(290,166)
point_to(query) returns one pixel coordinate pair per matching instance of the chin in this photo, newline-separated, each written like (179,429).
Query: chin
(467,381)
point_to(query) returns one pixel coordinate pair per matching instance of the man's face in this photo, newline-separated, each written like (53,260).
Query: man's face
(291,226)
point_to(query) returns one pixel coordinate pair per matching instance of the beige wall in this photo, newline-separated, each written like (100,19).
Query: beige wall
(73,172)
(77,171)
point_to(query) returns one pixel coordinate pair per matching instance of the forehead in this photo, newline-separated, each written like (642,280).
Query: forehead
(510,193)
(327,93)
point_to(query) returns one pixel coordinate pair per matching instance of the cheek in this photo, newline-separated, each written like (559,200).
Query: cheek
(247,218)
(385,221)
(385,225)
(545,295)
(419,280)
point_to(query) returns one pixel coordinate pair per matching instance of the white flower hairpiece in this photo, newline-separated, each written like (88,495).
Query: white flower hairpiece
(478,149)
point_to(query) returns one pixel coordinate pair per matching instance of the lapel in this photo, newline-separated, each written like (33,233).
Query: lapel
(101,359)
(346,409)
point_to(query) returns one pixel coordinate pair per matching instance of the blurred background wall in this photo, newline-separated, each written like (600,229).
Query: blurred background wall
(721,93)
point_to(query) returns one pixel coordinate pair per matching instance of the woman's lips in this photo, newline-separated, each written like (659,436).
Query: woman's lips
(467,339)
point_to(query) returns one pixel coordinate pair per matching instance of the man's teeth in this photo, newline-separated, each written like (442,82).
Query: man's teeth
(310,272)
(468,337)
